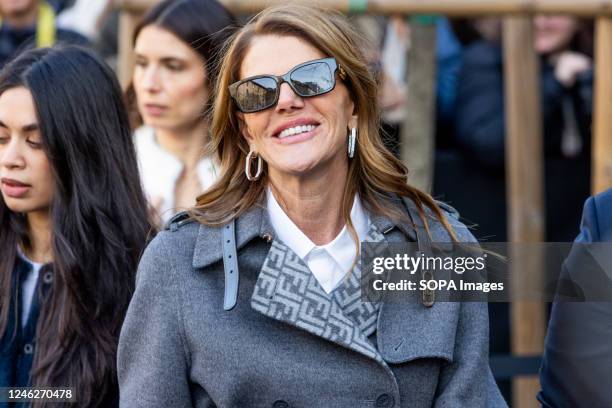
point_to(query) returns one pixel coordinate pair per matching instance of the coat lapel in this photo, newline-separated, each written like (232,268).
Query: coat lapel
(287,291)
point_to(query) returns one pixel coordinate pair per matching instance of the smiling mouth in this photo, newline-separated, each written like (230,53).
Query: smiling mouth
(296,130)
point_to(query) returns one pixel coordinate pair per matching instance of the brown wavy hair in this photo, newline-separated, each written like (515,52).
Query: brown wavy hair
(374,173)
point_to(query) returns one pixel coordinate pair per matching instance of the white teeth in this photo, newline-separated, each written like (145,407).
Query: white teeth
(295,130)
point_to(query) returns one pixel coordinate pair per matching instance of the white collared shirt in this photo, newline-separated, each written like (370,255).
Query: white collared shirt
(160,171)
(331,262)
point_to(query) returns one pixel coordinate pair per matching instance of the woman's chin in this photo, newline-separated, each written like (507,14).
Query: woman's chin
(299,169)
(162,123)
(20,206)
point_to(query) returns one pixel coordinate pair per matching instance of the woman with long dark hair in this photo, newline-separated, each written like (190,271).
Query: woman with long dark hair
(73,223)
(175,44)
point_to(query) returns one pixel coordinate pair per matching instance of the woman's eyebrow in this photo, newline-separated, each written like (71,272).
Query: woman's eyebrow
(172,59)
(27,128)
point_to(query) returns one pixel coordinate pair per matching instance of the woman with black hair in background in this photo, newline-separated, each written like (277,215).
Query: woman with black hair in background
(73,223)
(176,45)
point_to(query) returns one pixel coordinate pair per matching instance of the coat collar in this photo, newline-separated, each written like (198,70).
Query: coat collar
(386,225)
(255,223)
(251,224)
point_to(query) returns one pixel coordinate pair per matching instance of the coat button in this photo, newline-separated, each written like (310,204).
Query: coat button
(280,404)
(48,277)
(268,237)
(385,401)
(28,348)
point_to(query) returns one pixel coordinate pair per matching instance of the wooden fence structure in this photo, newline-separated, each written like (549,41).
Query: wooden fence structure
(524,152)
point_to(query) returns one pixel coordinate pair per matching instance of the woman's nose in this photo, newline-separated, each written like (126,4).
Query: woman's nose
(288,99)
(11,155)
(150,80)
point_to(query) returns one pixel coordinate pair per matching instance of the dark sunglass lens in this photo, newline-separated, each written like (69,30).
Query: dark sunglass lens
(256,94)
(313,79)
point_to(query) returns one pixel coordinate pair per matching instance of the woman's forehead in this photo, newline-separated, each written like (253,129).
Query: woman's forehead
(276,55)
(17,108)
(158,42)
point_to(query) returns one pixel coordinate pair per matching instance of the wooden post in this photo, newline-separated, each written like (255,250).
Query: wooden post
(602,125)
(125,61)
(419,127)
(136,6)
(524,175)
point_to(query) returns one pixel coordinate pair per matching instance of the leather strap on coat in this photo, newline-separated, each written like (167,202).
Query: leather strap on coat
(232,275)
(230,266)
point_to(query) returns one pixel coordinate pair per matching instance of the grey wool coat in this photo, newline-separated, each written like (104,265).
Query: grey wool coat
(287,343)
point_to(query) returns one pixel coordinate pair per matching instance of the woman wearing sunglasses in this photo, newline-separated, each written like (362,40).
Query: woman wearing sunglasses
(175,46)
(73,224)
(252,299)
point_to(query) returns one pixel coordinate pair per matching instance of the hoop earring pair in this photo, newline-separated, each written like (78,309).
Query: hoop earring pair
(247,166)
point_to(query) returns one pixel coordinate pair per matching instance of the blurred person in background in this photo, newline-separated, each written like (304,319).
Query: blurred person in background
(86,17)
(31,23)
(73,223)
(564,45)
(175,47)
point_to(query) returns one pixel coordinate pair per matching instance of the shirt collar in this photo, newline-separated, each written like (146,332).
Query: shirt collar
(158,163)
(342,248)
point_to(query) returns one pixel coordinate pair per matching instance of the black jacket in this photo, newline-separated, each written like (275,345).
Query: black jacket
(578,352)
(17,344)
(480,106)
(480,126)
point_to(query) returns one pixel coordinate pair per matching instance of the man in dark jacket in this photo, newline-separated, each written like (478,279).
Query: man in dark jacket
(578,354)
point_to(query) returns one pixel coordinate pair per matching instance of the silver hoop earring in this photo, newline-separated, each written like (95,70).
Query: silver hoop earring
(247,166)
(352,143)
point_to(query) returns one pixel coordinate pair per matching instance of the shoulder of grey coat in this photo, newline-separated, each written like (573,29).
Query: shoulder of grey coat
(186,248)
(180,237)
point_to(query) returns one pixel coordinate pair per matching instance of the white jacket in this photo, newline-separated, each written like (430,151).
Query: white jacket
(160,170)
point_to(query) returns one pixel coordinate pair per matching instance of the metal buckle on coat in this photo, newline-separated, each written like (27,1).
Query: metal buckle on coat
(428,296)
